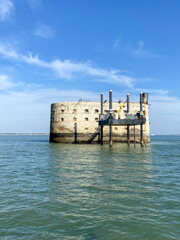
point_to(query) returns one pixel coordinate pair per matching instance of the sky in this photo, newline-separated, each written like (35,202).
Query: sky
(52,51)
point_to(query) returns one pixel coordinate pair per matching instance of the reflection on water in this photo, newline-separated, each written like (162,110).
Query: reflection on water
(64,191)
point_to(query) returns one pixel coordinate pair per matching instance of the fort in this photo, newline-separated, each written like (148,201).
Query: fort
(98,122)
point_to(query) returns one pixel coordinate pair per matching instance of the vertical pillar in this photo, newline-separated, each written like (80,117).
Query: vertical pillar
(101,118)
(134,136)
(128,103)
(141,114)
(99,135)
(75,133)
(110,117)
(128,141)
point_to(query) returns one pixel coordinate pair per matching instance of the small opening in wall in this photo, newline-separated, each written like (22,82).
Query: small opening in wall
(86,128)
(115,111)
(74,119)
(62,110)
(116,128)
(96,119)
(62,119)
(53,111)
(86,119)
(96,110)
(106,111)
(86,110)
(74,110)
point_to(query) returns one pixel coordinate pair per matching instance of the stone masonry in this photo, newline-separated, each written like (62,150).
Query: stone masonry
(79,120)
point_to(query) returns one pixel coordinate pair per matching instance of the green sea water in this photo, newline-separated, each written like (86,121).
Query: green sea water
(66,191)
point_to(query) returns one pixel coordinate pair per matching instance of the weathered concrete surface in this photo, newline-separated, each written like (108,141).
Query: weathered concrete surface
(64,116)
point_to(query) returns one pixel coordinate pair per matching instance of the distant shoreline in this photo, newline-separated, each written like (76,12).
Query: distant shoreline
(47,134)
(24,134)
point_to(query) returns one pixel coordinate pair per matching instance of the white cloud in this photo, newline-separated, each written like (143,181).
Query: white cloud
(30,59)
(139,51)
(129,48)
(30,107)
(116,44)
(6,7)
(43,31)
(34,4)
(165,116)
(164,111)
(5,83)
(159,95)
(8,52)
(145,53)
(68,69)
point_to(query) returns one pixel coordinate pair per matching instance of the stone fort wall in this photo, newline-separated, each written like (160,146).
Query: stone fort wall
(66,117)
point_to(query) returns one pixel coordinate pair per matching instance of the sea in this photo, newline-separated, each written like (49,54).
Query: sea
(89,192)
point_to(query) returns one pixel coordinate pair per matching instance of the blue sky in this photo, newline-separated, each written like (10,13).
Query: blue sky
(64,50)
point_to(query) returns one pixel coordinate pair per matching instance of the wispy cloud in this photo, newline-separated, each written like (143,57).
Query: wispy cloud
(30,106)
(136,51)
(43,31)
(116,44)
(6,7)
(70,70)
(34,4)
(156,95)
(5,82)
(7,51)
(141,52)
